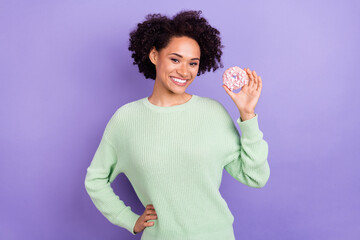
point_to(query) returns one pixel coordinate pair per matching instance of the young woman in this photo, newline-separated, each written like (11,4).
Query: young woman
(173,146)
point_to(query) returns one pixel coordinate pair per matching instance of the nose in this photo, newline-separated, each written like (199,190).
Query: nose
(183,71)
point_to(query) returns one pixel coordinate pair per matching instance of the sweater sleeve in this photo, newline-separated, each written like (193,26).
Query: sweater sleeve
(100,174)
(249,164)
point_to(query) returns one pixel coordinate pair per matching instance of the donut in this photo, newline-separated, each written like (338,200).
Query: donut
(235,78)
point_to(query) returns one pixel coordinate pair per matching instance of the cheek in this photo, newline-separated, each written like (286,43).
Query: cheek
(162,68)
(195,70)
(167,67)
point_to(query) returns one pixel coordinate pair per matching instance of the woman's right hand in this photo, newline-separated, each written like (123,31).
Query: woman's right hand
(142,223)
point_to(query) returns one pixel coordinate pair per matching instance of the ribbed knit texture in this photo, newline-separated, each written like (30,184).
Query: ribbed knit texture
(174,158)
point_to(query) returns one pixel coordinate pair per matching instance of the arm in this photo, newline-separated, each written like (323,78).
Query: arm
(97,184)
(248,164)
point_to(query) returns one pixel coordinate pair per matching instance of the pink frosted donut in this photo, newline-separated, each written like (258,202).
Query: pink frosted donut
(235,78)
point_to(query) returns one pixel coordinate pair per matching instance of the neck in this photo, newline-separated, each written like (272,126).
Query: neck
(164,98)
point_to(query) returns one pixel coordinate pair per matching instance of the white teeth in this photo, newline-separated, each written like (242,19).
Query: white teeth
(179,80)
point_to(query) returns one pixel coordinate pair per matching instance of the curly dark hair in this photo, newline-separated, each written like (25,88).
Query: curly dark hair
(157,30)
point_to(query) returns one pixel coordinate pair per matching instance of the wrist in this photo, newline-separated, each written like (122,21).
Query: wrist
(246,116)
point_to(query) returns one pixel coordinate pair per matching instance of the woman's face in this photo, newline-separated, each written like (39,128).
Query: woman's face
(176,65)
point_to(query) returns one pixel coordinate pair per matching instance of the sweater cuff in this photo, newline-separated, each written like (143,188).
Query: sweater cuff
(127,219)
(249,128)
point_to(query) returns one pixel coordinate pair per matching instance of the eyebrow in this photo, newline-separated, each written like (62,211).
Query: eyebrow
(182,56)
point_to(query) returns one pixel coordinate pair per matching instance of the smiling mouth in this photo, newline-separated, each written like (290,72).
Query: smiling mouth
(178,81)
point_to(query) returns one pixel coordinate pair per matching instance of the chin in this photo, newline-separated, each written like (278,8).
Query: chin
(177,89)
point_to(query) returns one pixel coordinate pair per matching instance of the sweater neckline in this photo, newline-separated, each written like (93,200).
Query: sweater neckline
(174,108)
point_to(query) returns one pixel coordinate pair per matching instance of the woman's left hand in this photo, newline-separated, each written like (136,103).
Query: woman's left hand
(248,96)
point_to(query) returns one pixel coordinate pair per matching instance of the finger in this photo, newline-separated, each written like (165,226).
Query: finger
(148,224)
(151,212)
(260,84)
(228,90)
(150,217)
(256,81)
(247,84)
(251,81)
(150,206)
(250,78)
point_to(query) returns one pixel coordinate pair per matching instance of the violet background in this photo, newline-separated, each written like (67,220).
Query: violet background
(65,69)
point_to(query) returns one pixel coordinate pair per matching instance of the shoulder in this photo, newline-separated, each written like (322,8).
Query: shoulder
(215,110)
(214,105)
(122,115)
(210,102)
(127,109)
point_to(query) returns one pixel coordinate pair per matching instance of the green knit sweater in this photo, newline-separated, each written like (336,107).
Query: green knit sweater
(174,158)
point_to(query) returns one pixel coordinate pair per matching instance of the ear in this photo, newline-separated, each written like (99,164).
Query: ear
(153,55)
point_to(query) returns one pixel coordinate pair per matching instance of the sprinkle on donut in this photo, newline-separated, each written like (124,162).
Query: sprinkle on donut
(235,78)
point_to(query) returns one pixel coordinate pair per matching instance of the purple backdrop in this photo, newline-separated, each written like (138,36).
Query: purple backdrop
(65,69)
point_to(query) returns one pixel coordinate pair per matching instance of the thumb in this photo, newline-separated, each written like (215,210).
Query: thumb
(228,90)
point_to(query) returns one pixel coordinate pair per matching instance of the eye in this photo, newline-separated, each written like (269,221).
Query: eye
(174,60)
(193,64)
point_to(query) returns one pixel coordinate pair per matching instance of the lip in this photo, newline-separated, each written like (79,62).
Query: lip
(177,83)
(179,78)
